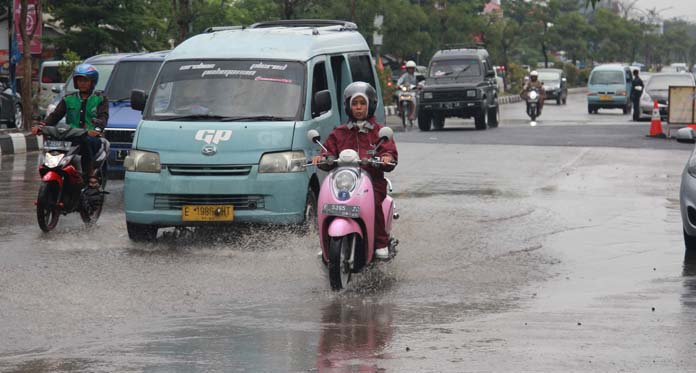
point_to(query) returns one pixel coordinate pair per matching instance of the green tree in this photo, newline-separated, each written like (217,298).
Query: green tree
(571,34)
(109,25)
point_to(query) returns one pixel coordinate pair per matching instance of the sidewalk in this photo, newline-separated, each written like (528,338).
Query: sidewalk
(13,142)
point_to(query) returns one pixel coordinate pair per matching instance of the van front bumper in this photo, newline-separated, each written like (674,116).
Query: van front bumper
(614,102)
(156,198)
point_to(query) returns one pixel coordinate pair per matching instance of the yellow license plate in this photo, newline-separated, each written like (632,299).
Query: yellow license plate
(207,213)
(605,98)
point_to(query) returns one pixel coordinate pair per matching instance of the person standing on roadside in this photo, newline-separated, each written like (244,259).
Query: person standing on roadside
(636,92)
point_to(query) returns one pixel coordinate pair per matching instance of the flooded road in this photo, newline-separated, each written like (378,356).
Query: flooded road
(512,258)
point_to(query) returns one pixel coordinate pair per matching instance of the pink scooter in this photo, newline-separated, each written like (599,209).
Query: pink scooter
(346,214)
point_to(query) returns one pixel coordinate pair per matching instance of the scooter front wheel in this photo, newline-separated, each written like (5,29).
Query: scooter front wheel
(47,210)
(340,268)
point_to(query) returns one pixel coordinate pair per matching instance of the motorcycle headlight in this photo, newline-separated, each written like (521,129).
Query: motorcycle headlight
(52,161)
(533,95)
(344,181)
(142,161)
(428,95)
(293,161)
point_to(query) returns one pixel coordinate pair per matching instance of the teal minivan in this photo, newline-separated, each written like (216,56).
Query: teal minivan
(223,135)
(609,87)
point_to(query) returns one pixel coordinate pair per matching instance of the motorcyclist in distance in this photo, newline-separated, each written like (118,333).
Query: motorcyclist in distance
(85,108)
(409,77)
(532,83)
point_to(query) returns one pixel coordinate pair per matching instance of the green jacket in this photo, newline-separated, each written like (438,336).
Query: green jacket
(96,106)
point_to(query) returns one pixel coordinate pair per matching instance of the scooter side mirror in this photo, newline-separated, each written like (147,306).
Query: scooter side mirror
(313,136)
(386,134)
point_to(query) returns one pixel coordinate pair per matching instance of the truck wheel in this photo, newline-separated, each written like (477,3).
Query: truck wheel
(424,120)
(439,122)
(494,116)
(480,120)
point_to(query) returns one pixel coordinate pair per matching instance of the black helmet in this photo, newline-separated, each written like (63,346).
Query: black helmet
(358,88)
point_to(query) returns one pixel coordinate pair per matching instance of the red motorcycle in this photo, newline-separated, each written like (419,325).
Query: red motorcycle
(63,189)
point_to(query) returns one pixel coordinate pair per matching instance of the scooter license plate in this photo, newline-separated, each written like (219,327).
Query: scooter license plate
(345,211)
(207,212)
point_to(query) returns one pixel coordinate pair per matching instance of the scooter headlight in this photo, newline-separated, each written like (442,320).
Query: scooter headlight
(52,161)
(344,183)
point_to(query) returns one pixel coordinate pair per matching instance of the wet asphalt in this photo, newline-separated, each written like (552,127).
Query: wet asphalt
(549,248)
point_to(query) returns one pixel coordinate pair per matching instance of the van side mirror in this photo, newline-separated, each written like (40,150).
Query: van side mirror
(321,103)
(490,74)
(685,135)
(420,78)
(56,88)
(138,99)
(564,79)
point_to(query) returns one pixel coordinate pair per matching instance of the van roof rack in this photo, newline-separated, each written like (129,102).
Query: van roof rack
(222,28)
(465,46)
(345,25)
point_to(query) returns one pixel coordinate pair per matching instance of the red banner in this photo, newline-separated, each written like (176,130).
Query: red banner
(33,22)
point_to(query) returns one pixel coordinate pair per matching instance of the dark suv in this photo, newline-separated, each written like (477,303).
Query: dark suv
(460,83)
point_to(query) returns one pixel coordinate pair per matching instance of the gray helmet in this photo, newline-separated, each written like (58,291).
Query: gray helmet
(364,88)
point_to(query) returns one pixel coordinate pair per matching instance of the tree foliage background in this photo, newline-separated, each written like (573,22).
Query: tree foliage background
(528,32)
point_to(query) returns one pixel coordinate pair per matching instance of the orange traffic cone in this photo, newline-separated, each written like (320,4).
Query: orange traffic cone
(656,123)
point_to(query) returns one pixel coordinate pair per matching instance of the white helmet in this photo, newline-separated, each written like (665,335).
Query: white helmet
(410,64)
(534,73)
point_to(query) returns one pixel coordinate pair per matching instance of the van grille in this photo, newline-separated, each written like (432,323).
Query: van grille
(209,170)
(119,136)
(240,202)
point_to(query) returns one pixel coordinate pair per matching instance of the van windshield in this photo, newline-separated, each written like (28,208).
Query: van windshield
(228,89)
(455,68)
(131,75)
(607,77)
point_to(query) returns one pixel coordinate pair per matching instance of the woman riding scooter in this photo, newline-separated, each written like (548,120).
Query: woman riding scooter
(361,133)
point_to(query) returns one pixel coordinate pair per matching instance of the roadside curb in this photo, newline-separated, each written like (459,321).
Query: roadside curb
(19,142)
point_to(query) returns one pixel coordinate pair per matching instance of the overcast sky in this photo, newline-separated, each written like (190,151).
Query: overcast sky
(680,8)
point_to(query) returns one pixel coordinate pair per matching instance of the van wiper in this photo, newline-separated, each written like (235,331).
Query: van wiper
(122,99)
(269,118)
(198,117)
(461,71)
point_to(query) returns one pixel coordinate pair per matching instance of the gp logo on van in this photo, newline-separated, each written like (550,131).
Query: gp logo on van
(213,136)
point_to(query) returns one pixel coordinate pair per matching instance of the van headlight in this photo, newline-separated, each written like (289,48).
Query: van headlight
(428,95)
(142,161)
(691,165)
(293,161)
